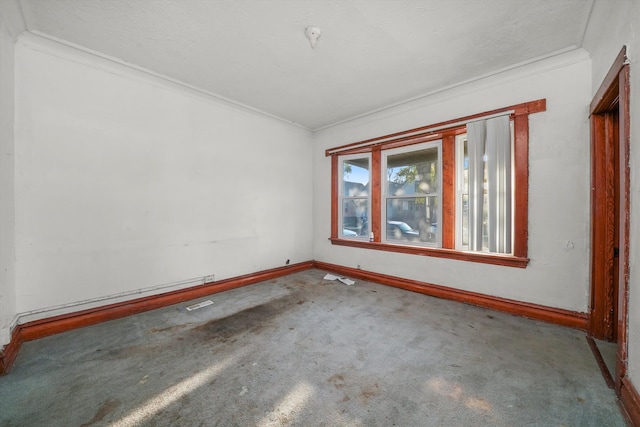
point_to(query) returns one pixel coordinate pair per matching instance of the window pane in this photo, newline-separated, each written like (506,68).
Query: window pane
(465,220)
(465,168)
(412,219)
(415,172)
(355,217)
(355,179)
(354,197)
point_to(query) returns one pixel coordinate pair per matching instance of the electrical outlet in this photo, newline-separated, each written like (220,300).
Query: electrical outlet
(210,278)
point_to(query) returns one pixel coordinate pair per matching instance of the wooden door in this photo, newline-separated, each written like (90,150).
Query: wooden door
(610,212)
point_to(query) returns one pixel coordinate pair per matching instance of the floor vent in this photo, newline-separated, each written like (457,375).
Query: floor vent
(199,305)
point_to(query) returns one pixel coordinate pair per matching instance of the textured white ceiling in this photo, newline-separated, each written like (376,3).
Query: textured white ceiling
(371,54)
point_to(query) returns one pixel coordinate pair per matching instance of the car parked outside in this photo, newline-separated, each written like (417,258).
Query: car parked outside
(399,230)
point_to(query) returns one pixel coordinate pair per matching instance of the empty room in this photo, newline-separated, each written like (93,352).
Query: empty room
(319,213)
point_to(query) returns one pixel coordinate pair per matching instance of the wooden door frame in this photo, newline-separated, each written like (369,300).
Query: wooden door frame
(609,106)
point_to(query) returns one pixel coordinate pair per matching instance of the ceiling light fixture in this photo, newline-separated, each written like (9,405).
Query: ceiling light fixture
(312,33)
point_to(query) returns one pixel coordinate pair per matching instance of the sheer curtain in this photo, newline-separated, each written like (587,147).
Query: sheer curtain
(489,151)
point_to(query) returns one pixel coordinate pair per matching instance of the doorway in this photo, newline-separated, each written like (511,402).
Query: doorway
(609,118)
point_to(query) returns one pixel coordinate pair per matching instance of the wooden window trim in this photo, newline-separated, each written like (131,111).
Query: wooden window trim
(446,131)
(481,257)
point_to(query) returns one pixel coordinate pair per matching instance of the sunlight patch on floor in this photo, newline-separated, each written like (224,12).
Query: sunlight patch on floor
(287,410)
(173,394)
(477,404)
(445,388)
(456,391)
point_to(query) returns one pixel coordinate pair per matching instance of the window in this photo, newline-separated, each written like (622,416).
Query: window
(484,179)
(411,193)
(456,189)
(354,196)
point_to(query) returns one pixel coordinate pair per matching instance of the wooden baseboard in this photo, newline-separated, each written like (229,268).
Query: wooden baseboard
(10,351)
(66,322)
(557,316)
(629,397)
(630,400)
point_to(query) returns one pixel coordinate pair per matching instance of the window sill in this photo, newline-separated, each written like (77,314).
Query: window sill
(503,260)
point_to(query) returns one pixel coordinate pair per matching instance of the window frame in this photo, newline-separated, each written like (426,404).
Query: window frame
(342,196)
(385,196)
(447,132)
(460,141)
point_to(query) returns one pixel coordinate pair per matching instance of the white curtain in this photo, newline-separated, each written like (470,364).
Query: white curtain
(489,151)
(476,137)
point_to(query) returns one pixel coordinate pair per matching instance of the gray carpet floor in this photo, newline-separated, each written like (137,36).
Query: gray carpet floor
(303,351)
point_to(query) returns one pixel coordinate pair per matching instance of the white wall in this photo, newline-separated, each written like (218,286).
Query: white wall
(10,26)
(557,275)
(125,181)
(612,25)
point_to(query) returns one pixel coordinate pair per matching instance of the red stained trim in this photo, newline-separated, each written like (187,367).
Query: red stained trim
(625,219)
(375,218)
(613,95)
(503,260)
(57,324)
(553,315)
(608,92)
(66,322)
(521,196)
(519,109)
(603,226)
(520,117)
(335,173)
(630,401)
(10,351)
(448,190)
(400,142)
